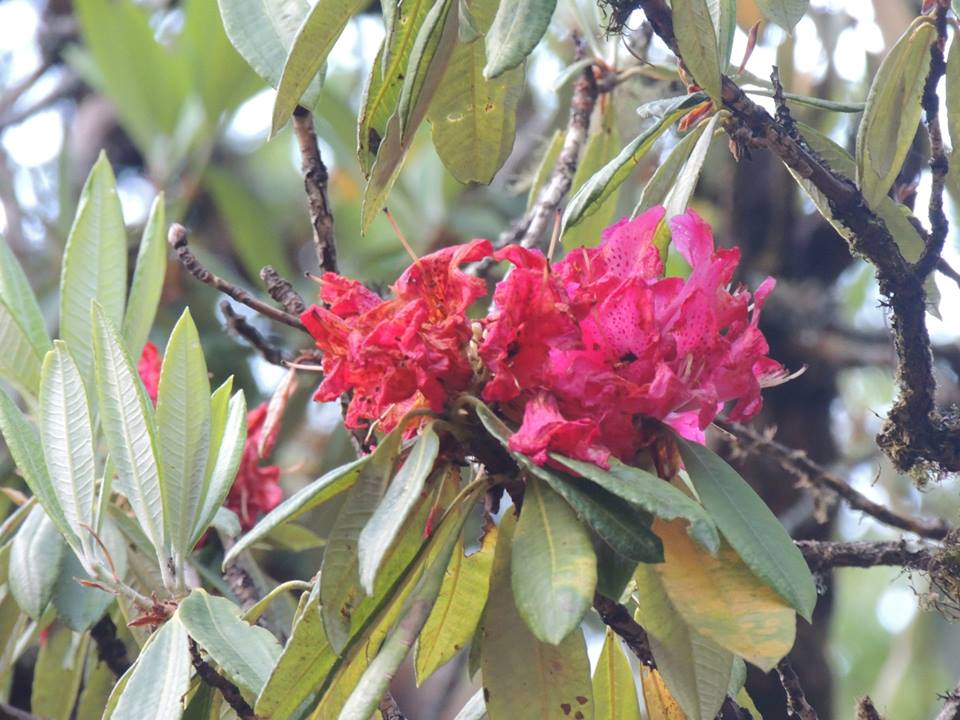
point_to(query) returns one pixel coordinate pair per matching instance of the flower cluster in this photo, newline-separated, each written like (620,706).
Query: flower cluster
(578,352)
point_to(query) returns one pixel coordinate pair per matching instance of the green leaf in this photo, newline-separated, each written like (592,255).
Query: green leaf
(147,283)
(524,678)
(614,691)
(57,674)
(474,709)
(94,265)
(658,186)
(515,32)
(67,438)
(724,15)
(551,152)
(785,13)
(35,559)
(97,685)
(224,469)
(749,526)
(183,434)
(697,41)
(649,492)
(455,615)
(695,670)
(398,502)
(474,119)
(129,429)
(953,101)
(17,295)
(893,110)
(263,31)
(246,653)
(602,146)
(219,411)
(159,678)
(553,567)
(78,606)
(314,40)
(339,574)
(20,361)
(594,192)
(614,571)
(686,182)
(328,486)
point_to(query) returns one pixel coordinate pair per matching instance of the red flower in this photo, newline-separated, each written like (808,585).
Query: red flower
(584,350)
(149,370)
(399,354)
(256,489)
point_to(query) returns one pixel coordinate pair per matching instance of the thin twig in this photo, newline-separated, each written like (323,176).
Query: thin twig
(14,92)
(797,705)
(238,325)
(177,239)
(229,691)
(110,649)
(825,555)
(67,88)
(315,178)
(282,292)
(944,267)
(799,464)
(9,712)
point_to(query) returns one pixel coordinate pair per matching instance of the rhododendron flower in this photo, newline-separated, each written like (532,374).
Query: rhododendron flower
(403,353)
(256,489)
(582,351)
(149,370)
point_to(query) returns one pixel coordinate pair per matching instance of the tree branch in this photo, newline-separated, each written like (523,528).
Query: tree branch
(951,708)
(315,180)
(797,705)
(807,472)
(229,691)
(823,556)
(177,239)
(238,325)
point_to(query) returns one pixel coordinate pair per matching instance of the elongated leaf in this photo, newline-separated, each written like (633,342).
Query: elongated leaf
(660,704)
(953,101)
(159,678)
(594,192)
(67,438)
(785,13)
(697,41)
(339,576)
(649,492)
(474,119)
(893,110)
(147,283)
(554,568)
(382,92)
(724,15)
(602,146)
(516,30)
(20,361)
(686,182)
(94,265)
(750,528)
(58,673)
(78,606)
(524,678)
(246,653)
(224,468)
(262,31)
(17,295)
(321,490)
(658,186)
(393,510)
(314,41)
(551,152)
(474,709)
(454,618)
(98,683)
(219,411)
(614,691)
(696,670)
(35,559)
(129,429)
(183,434)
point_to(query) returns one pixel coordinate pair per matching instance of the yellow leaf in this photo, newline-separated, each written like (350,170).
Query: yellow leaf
(660,704)
(614,691)
(723,600)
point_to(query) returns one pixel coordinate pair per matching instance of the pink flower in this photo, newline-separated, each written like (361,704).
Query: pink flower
(256,488)
(149,370)
(581,352)
(399,354)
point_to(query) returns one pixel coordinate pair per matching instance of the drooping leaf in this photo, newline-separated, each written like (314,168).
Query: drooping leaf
(328,486)
(129,428)
(785,13)
(455,615)
(147,283)
(614,691)
(553,566)
(658,186)
(67,437)
(58,673)
(245,653)
(97,685)
(695,669)
(17,295)
(94,265)
(750,528)
(20,361)
(697,41)
(515,32)
(659,702)
(724,15)
(524,678)
(78,606)
(893,110)
(35,559)
(602,146)
(393,510)
(313,42)
(159,678)
(474,119)
(183,434)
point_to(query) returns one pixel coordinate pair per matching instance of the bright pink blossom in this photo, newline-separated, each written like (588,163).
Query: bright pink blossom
(399,354)
(256,489)
(581,351)
(149,370)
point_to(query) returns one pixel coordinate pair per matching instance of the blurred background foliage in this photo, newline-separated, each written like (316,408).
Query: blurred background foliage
(158,84)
